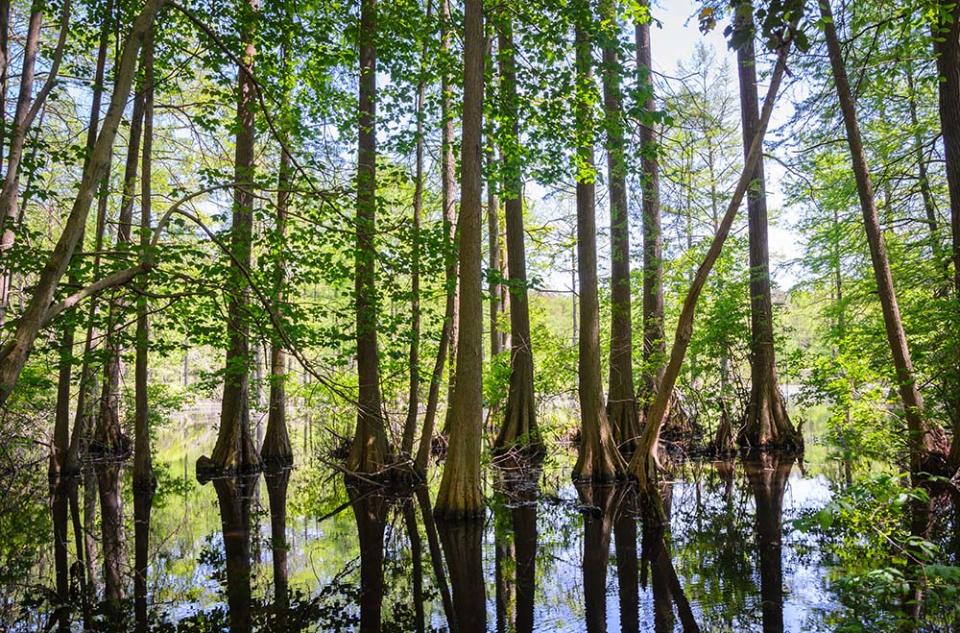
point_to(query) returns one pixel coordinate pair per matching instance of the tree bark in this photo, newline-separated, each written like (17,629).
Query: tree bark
(413,398)
(768,424)
(108,437)
(67,445)
(32,319)
(654,338)
(459,496)
(598,460)
(926,439)
(520,417)
(369,452)
(946,43)
(235,450)
(276,448)
(27,109)
(621,395)
(645,463)
(493,256)
(142,462)
(447,184)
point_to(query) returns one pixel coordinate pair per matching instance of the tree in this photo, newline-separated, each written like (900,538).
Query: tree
(448,193)
(926,440)
(645,463)
(459,496)
(520,416)
(235,450)
(598,460)
(946,48)
(767,421)
(413,398)
(276,448)
(14,354)
(369,451)
(621,399)
(654,339)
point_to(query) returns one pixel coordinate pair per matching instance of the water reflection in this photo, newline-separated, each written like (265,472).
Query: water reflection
(234,495)
(339,557)
(768,474)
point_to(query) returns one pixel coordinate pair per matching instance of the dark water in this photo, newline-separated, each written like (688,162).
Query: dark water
(300,550)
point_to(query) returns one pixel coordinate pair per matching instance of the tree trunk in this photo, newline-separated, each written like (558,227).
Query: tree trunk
(520,417)
(460,496)
(598,460)
(413,398)
(66,442)
(621,396)
(447,184)
(493,250)
(235,450)
(18,134)
(26,112)
(645,463)
(369,452)
(276,448)
(767,422)
(926,439)
(654,339)
(16,352)
(946,43)
(142,462)
(108,437)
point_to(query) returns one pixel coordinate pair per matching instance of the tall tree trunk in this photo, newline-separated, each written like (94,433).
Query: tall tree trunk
(11,180)
(142,461)
(926,440)
(946,44)
(108,437)
(493,249)
(460,496)
(645,463)
(369,452)
(621,395)
(447,184)
(413,398)
(66,442)
(276,448)
(654,339)
(520,417)
(598,460)
(26,112)
(767,422)
(235,450)
(14,354)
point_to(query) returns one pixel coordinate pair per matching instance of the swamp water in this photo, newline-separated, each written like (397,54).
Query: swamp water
(299,550)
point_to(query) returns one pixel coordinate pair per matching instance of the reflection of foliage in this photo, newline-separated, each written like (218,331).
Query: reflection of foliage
(712,543)
(875,536)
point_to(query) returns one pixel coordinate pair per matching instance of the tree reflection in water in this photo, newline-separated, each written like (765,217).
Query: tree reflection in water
(373,559)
